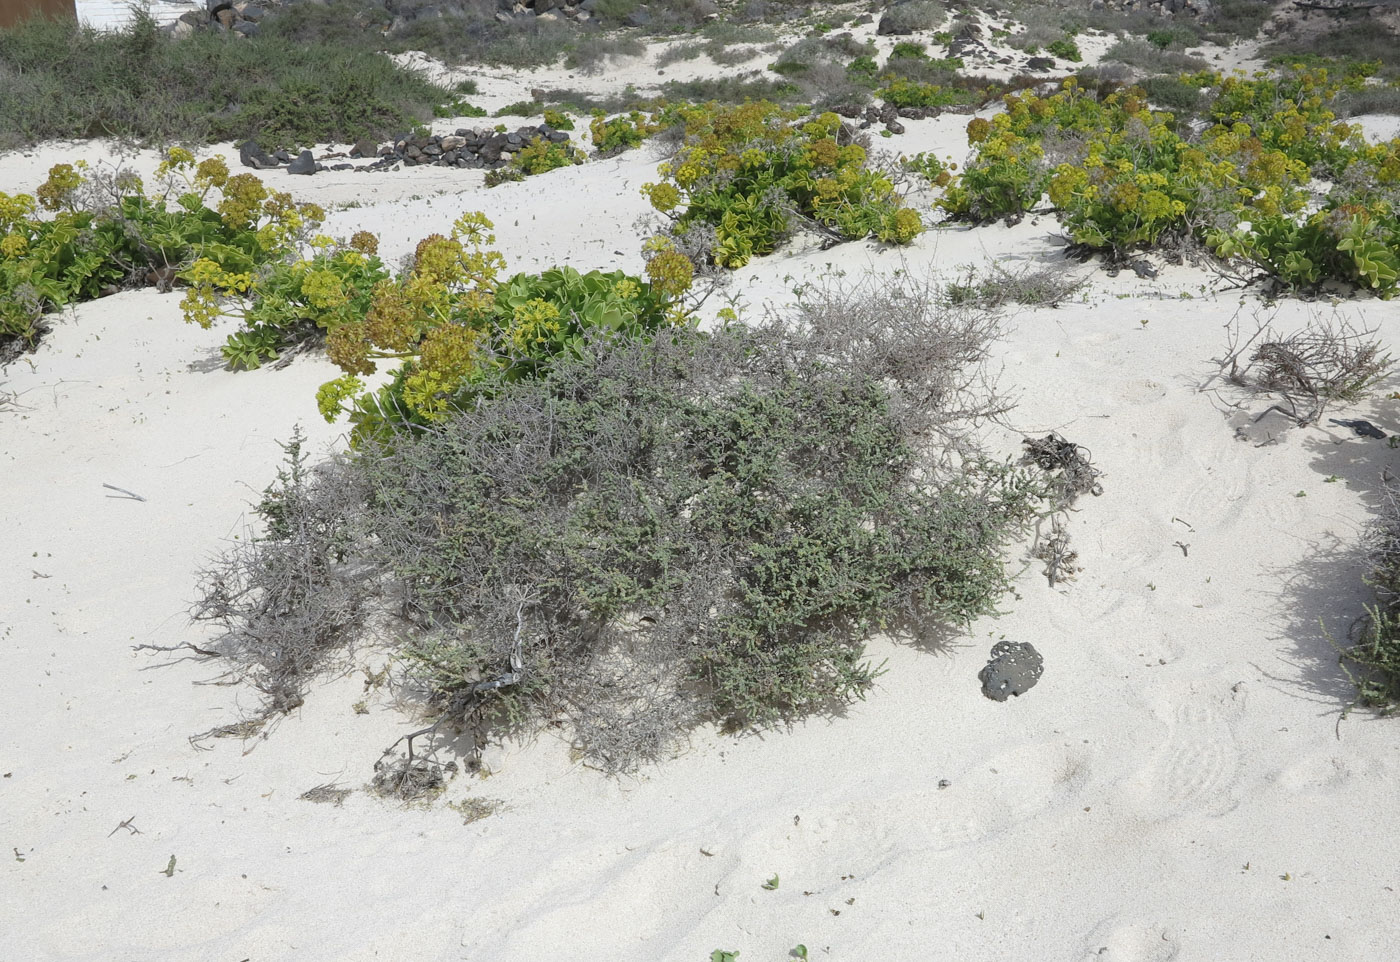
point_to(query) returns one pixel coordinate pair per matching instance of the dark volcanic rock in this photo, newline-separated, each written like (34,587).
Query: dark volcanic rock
(251,155)
(1014,669)
(304,164)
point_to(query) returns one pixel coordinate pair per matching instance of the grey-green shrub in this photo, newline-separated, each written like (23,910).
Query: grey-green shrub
(656,533)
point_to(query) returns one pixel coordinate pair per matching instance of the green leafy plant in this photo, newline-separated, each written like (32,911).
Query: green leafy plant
(558,119)
(909,93)
(1239,187)
(521,108)
(754,172)
(105,233)
(612,135)
(458,108)
(461,332)
(1065,49)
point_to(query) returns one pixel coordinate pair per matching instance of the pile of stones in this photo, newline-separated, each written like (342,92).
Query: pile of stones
(1162,8)
(245,17)
(464,149)
(889,115)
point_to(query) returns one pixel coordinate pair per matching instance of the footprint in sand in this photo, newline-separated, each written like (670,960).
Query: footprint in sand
(1001,792)
(1196,765)
(1144,391)
(1116,941)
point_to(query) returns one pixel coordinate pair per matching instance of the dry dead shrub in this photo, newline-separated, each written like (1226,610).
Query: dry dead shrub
(1328,360)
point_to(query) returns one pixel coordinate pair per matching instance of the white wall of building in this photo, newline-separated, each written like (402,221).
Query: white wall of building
(113,14)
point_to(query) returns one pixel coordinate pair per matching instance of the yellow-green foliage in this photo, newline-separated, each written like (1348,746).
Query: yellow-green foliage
(541,155)
(613,134)
(104,231)
(749,171)
(1240,185)
(459,329)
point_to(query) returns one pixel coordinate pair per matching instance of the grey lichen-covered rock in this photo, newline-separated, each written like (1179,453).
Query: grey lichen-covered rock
(1014,669)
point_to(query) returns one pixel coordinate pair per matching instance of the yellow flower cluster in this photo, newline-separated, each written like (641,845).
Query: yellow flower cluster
(207,280)
(59,188)
(534,325)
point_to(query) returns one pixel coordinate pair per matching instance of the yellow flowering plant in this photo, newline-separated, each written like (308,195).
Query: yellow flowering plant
(456,330)
(756,171)
(90,231)
(1135,177)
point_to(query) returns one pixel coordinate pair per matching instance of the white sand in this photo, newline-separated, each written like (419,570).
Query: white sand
(1173,788)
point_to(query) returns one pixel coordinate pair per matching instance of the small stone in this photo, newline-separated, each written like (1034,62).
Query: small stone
(894,127)
(453,142)
(364,148)
(944,783)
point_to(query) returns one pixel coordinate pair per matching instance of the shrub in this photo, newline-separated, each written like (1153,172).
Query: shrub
(999,286)
(1065,49)
(477,37)
(558,119)
(537,157)
(591,53)
(656,532)
(460,332)
(521,108)
(62,81)
(1372,660)
(105,233)
(1364,41)
(1149,57)
(294,301)
(1323,363)
(915,17)
(1173,93)
(1125,177)
(754,172)
(459,108)
(905,93)
(731,89)
(612,135)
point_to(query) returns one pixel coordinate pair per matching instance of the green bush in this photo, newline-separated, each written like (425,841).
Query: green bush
(458,331)
(1065,49)
(558,119)
(1240,188)
(753,172)
(106,233)
(521,108)
(537,157)
(905,93)
(1174,94)
(62,81)
(655,532)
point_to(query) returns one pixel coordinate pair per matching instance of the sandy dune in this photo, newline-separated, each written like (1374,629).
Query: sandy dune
(1176,787)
